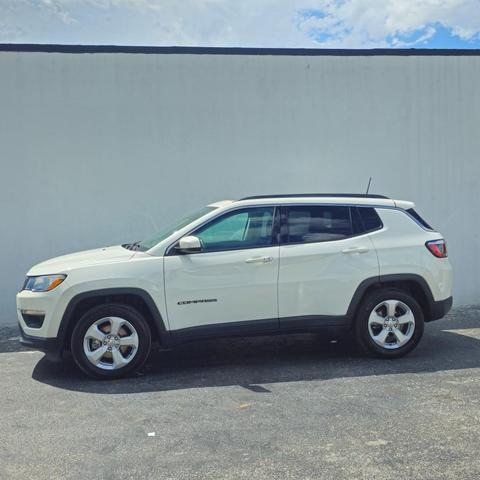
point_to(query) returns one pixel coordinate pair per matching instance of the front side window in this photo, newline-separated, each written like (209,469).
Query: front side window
(308,224)
(245,228)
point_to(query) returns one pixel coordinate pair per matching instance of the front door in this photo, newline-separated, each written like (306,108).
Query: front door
(231,285)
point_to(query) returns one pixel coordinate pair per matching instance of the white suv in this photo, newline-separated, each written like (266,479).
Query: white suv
(261,265)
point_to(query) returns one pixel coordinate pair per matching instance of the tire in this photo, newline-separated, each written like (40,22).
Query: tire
(110,341)
(384,335)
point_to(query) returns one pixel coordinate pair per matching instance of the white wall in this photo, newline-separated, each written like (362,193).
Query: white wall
(99,149)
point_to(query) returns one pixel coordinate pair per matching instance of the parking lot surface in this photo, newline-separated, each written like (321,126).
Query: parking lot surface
(285,407)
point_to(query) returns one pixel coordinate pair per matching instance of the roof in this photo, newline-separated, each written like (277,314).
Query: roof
(308,52)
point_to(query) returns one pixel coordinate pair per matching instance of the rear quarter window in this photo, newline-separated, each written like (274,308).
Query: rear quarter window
(418,218)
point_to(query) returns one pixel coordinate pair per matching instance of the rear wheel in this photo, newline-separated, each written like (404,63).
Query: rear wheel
(389,323)
(111,341)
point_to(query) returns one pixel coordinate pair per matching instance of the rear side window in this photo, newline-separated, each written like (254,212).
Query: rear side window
(308,224)
(369,219)
(419,219)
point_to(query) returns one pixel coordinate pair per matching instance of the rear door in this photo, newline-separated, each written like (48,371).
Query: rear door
(325,254)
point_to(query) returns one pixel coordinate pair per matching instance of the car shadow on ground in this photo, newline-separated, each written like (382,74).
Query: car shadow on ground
(257,363)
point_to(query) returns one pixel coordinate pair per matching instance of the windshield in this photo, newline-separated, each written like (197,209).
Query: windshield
(163,234)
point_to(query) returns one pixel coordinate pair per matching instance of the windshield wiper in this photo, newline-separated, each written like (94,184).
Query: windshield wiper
(132,246)
(135,245)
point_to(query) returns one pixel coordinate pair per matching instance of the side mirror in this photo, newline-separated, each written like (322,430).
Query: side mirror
(189,244)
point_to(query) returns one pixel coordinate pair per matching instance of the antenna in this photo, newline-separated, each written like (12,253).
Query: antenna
(368,186)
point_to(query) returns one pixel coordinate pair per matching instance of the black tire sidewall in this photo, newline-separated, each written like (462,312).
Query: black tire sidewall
(361,324)
(111,310)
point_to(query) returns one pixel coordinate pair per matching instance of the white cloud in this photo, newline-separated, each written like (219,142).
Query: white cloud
(389,22)
(277,23)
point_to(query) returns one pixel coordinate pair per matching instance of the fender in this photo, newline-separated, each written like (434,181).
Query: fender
(434,310)
(158,322)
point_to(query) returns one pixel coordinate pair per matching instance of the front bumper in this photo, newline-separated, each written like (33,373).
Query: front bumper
(50,346)
(50,304)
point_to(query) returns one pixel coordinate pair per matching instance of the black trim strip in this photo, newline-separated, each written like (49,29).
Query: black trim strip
(266,326)
(304,52)
(312,322)
(269,326)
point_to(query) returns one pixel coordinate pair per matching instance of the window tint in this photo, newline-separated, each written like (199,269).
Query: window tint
(246,228)
(419,219)
(307,224)
(370,219)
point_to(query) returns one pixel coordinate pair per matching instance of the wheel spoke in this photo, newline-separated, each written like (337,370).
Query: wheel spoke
(118,359)
(382,337)
(129,341)
(391,307)
(95,333)
(376,319)
(401,338)
(115,325)
(406,318)
(96,355)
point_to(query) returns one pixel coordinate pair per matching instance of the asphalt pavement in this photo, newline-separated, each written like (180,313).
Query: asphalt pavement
(284,407)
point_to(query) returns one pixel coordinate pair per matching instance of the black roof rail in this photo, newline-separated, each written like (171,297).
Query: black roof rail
(303,195)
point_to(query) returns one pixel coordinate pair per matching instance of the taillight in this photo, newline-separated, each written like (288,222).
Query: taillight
(437,248)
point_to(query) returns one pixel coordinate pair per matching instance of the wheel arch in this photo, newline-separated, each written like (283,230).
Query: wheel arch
(412,284)
(134,297)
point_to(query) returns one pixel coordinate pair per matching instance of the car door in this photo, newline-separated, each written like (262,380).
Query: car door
(231,285)
(324,256)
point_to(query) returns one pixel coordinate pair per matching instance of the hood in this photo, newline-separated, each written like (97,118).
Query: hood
(86,258)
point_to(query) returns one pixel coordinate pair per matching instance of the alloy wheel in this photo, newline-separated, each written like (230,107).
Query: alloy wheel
(391,324)
(110,343)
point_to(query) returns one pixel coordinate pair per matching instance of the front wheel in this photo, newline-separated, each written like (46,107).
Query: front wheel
(389,323)
(110,341)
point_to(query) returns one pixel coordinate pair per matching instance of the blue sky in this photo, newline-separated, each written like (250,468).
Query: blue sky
(245,23)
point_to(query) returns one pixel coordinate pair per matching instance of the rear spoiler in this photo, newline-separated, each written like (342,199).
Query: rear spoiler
(404,204)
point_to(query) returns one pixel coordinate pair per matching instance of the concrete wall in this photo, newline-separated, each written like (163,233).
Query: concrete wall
(99,149)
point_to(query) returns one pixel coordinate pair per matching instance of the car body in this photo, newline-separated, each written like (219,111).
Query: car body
(260,265)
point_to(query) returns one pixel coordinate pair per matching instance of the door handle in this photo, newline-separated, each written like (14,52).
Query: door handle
(258,259)
(355,250)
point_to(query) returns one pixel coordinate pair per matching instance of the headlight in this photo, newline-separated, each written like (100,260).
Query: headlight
(43,283)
